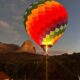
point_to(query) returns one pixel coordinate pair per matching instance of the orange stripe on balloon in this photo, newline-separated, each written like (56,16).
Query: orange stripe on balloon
(57,37)
(34,12)
(48,4)
(29,19)
(55,3)
(41,9)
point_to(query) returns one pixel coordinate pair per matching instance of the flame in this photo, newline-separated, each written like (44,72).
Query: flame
(46,49)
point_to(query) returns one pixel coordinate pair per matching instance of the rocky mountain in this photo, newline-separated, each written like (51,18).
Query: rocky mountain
(27,46)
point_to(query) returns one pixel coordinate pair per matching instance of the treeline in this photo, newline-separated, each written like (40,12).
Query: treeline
(21,66)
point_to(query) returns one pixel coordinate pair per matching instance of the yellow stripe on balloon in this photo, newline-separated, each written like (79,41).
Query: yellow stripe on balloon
(51,42)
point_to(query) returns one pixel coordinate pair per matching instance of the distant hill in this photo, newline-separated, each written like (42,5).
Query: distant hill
(4,48)
(27,46)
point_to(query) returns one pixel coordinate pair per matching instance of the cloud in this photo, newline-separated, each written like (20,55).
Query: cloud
(5,26)
(7,31)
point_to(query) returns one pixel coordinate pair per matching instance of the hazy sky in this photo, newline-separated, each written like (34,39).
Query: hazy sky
(12,29)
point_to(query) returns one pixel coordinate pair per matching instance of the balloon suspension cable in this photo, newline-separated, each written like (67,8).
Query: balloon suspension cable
(46,49)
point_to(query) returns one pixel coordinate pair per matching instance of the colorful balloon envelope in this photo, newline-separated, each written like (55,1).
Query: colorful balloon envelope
(46,21)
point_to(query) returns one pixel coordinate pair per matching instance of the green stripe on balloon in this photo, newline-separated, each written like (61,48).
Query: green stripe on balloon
(34,6)
(54,33)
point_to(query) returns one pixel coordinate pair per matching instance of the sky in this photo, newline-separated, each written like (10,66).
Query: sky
(12,29)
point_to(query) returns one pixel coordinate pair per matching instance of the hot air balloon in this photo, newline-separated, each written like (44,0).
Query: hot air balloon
(45,21)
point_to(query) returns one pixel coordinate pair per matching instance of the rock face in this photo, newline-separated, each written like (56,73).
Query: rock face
(28,46)
(4,48)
